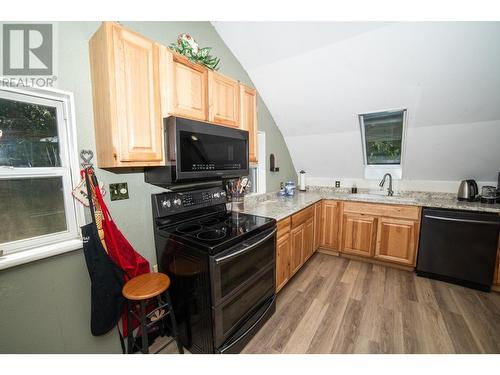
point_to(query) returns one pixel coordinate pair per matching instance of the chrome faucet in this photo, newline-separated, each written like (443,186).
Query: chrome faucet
(390,192)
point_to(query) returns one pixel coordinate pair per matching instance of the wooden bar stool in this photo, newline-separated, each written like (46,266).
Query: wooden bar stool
(138,291)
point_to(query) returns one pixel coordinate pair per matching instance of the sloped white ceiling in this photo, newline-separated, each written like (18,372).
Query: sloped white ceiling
(316,77)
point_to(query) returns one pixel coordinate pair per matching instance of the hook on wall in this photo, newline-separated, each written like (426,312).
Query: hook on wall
(86,156)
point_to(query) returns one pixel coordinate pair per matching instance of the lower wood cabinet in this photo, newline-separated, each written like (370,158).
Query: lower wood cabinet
(358,234)
(384,232)
(317,224)
(308,249)
(330,224)
(297,243)
(397,240)
(283,255)
(387,233)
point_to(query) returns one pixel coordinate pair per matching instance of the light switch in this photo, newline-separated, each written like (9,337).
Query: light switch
(118,191)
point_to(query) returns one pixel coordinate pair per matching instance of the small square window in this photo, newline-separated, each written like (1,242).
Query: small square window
(382,136)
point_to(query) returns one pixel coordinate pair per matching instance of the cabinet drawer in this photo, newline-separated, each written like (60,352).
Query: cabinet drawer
(387,210)
(302,216)
(283,226)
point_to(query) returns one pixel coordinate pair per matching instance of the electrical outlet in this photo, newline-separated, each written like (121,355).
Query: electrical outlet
(118,191)
(155,268)
(337,183)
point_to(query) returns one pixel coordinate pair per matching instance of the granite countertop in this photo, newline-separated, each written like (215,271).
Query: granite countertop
(270,205)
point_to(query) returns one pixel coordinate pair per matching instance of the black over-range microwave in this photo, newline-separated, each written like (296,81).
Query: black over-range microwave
(199,151)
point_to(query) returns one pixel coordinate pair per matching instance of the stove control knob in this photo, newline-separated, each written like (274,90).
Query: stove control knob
(166,203)
(216,195)
(222,193)
(177,201)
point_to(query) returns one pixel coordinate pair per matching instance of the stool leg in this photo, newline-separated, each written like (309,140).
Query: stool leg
(130,334)
(162,324)
(144,331)
(175,331)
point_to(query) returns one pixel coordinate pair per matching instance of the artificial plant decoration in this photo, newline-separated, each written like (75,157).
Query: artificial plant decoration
(188,47)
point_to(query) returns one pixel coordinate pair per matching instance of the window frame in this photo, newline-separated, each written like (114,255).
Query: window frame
(259,168)
(26,250)
(375,171)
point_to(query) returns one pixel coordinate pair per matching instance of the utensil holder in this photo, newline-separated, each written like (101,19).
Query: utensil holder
(237,205)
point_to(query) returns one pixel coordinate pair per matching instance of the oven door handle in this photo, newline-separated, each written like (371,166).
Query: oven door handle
(245,249)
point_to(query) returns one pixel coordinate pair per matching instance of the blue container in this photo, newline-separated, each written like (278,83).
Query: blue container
(290,188)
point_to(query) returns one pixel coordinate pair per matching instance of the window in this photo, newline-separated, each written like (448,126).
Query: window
(257,174)
(38,170)
(382,136)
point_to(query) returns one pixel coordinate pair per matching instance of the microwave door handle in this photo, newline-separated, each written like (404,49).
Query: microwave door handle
(245,249)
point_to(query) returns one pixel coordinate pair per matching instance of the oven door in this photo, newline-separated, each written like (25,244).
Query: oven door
(241,279)
(206,151)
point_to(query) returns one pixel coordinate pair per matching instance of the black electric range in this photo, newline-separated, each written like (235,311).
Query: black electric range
(222,268)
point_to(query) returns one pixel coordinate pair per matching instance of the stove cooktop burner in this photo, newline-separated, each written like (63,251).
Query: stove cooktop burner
(209,221)
(188,228)
(212,235)
(235,222)
(216,231)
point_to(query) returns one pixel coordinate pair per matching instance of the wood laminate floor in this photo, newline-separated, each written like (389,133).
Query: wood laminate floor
(337,305)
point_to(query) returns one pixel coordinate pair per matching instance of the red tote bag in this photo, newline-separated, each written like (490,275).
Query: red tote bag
(119,249)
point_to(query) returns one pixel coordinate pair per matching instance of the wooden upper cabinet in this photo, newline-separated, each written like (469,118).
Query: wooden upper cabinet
(248,119)
(397,240)
(330,224)
(358,234)
(184,86)
(224,100)
(126,98)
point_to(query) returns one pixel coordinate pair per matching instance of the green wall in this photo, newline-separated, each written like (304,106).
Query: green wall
(45,305)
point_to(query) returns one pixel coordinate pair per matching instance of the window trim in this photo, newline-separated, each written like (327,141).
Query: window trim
(375,171)
(27,250)
(260,166)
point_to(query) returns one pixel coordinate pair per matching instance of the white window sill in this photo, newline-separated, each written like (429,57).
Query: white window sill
(26,256)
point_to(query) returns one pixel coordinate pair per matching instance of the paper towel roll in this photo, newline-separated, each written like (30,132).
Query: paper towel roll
(302,180)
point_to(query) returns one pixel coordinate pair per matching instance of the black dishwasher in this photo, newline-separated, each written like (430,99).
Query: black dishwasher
(458,247)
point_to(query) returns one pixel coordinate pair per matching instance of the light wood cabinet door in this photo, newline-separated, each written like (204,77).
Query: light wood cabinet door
(297,244)
(248,119)
(126,98)
(317,225)
(138,103)
(396,240)
(224,100)
(184,86)
(358,234)
(330,224)
(283,256)
(308,239)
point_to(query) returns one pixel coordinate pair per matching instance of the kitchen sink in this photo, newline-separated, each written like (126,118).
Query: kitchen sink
(380,197)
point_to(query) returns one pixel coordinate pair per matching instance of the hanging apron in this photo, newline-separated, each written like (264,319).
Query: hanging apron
(106,277)
(120,250)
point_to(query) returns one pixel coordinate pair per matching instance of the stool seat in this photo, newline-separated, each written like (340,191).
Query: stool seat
(146,286)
